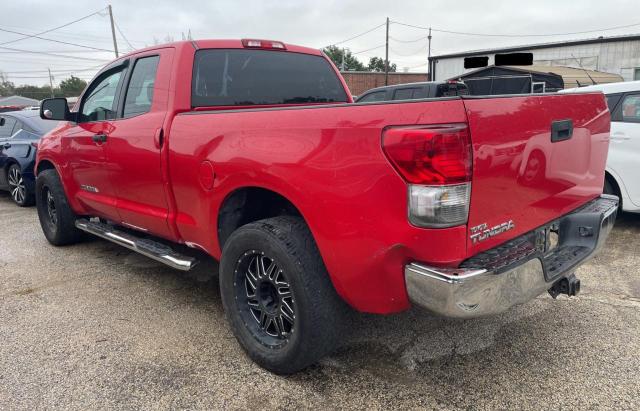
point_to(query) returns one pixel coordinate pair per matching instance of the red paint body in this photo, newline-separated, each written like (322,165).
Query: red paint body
(328,161)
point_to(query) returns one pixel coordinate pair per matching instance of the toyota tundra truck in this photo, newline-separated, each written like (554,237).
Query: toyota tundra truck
(253,152)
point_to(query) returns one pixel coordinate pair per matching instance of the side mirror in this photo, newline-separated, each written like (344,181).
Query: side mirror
(55,109)
(2,120)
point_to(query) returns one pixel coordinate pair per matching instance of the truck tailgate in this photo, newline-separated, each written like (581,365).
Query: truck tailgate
(521,178)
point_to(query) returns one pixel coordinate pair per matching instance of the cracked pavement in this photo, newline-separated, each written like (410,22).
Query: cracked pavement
(97,326)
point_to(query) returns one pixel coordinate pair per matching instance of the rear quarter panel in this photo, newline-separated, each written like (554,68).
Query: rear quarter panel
(328,161)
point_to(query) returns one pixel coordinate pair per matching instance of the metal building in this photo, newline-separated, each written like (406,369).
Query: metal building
(617,55)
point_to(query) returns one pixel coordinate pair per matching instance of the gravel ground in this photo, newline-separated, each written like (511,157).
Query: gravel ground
(96,326)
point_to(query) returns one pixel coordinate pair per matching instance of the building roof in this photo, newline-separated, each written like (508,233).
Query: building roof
(18,101)
(571,77)
(601,39)
(608,88)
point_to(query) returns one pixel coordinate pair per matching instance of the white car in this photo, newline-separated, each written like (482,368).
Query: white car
(623,163)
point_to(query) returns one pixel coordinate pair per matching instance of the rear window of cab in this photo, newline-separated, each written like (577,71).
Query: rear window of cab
(237,77)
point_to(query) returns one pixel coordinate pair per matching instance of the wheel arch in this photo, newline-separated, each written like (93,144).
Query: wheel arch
(45,164)
(10,161)
(244,205)
(611,178)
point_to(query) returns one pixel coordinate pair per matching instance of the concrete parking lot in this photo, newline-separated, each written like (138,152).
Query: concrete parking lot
(96,326)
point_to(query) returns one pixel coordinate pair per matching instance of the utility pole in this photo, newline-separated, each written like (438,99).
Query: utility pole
(113,31)
(386,56)
(50,82)
(429,57)
(342,64)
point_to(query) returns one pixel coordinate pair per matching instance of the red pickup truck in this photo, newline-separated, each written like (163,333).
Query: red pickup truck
(253,152)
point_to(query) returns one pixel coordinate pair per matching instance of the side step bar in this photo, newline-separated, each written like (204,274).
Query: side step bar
(152,249)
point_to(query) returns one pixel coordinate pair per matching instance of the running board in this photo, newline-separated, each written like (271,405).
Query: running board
(147,247)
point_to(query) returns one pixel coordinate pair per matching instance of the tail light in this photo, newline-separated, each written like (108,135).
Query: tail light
(436,162)
(263,44)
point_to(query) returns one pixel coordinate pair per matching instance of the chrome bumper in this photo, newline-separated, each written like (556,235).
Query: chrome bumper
(487,289)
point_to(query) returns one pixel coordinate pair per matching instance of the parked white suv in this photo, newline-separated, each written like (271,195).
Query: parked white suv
(623,163)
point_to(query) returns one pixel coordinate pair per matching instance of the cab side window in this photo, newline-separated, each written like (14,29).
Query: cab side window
(139,94)
(100,102)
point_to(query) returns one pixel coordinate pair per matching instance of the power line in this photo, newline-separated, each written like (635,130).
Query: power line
(358,35)
(46,77)
(53,54)
(409,41)
(419,51)
(372,48)
(55,41)
(74,35)
(55,28)
(414,67)
(59,51)
(516,35)
(123,36)
(58,71)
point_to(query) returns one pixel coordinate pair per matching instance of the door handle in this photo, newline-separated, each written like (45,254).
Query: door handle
(99,138)
(7,145)
(561,130)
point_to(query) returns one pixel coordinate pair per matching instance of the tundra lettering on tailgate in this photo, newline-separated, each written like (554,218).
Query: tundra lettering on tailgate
(482,232)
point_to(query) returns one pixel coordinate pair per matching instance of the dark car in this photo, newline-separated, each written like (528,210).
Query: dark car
(413,91)
(19,135)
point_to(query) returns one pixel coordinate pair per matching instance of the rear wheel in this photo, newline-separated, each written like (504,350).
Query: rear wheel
(18,188)
(56,217)
(277,295)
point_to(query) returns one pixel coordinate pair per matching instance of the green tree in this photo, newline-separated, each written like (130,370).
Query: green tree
(351,63)
(35,92)
(6,87)
(72,86)
(377,64)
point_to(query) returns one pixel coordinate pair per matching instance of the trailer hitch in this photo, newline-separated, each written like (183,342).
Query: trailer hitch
(569,285)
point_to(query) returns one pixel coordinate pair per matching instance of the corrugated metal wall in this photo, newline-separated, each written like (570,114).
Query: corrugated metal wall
(621,57)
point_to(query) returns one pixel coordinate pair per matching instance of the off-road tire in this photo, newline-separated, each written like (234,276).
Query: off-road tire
(61,229)
(319,311)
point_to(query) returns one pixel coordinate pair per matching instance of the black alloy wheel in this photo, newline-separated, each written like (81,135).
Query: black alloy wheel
(266,302)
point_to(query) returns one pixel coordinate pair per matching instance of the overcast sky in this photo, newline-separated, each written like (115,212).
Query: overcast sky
(309,23)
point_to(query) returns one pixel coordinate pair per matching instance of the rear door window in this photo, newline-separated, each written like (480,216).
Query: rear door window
(630,108)
(403,94)
(140,89)
(375,96)
(451,89)
(6,130)
(240,77)
(420,92)
(612,102)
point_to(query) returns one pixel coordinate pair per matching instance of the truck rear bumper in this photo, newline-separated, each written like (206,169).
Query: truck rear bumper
(517,271)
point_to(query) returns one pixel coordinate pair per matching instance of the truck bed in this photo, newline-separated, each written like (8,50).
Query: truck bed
(328,161)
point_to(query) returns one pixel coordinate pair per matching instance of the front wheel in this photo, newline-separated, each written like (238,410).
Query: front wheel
(57,219)
(277,295)
(18,188)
